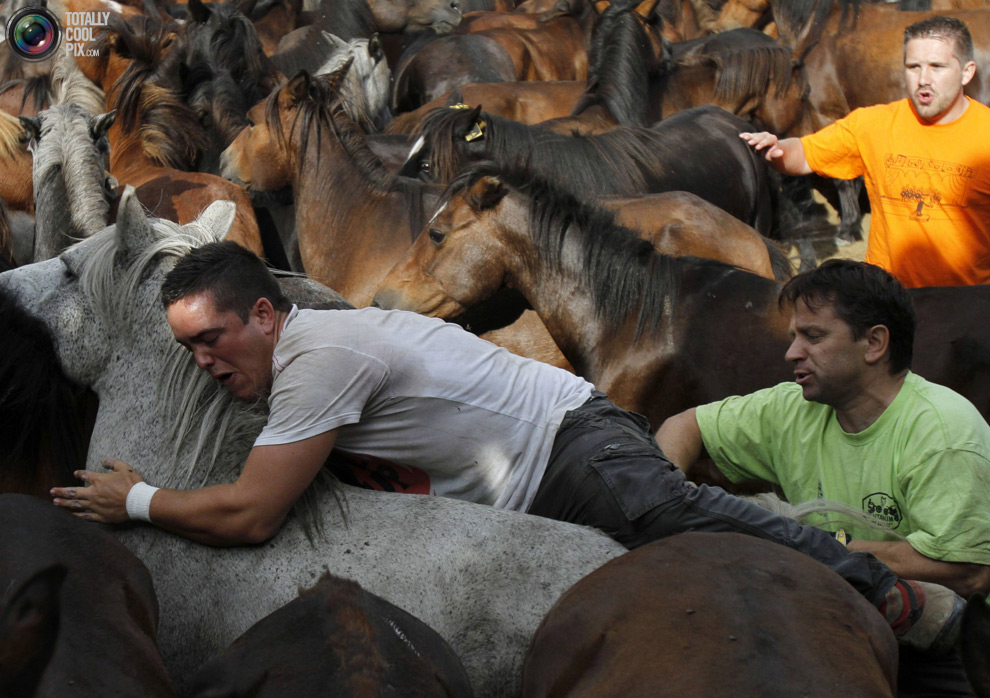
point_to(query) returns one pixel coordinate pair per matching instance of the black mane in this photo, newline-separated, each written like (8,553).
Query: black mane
(623,273)
(45,419)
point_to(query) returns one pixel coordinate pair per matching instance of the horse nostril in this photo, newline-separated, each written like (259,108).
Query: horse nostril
(455,5)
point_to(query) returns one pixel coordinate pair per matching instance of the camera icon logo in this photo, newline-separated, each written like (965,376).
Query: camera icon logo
(33,33)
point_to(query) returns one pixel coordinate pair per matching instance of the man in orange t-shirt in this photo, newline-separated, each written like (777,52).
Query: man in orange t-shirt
(925,159)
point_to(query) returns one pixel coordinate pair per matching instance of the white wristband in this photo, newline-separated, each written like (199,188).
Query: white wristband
(138,502)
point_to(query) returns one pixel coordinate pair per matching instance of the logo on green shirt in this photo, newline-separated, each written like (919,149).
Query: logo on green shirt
(883,508)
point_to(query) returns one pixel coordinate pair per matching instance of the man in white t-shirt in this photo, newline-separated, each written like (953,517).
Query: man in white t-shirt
(423,406)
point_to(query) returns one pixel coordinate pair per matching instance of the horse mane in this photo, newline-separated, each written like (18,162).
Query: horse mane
(11,134)
(623,273)
(44,417)
(68,84)
(65,167)
(620,63)
(747,71)
(608,163)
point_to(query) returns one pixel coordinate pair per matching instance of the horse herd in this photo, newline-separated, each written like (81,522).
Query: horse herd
(564,178)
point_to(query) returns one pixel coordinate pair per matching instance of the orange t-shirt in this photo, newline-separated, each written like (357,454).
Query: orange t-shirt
(929,188)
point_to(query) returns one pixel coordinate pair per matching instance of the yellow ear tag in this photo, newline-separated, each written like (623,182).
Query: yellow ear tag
(477,132)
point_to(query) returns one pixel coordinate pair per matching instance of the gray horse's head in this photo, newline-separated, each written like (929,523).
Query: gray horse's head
(71,171)
(365,90)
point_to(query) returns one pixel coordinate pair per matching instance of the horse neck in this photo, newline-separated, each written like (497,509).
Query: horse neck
(557,292)
(348,215)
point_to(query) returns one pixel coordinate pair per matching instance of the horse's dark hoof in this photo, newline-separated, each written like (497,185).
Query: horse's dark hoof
(976,644)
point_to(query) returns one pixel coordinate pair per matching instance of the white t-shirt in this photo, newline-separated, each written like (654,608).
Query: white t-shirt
(421,402)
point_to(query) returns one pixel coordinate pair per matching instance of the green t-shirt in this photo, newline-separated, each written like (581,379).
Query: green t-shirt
(922,469)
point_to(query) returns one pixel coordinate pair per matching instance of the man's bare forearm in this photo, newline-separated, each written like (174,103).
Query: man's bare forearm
(964,578)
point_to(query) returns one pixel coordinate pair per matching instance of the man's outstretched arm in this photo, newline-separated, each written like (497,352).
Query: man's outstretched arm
(786,156)
(250,510)
(962,577)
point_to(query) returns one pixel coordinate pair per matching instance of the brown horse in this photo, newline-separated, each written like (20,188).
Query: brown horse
(156,138)
(659,334)
(655,621)
(625,160)
(336,640)
(610,302)
(83,615)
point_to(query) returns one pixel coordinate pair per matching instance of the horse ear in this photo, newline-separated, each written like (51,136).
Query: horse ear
(476,130)
(375,49)
(486,193)
(336,78)
(455,98)
(31,126)
(134,232)
(645,8)
(295,90)
(29,624)
(218,217)
(102,124)
(199,12)
(335,41)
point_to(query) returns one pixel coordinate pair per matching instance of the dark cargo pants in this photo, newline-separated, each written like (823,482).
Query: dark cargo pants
(607,471)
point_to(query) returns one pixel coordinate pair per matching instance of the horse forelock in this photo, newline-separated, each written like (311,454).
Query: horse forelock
(66,151)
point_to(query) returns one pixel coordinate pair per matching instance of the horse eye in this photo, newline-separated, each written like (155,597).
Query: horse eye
(424,166)
(436,236)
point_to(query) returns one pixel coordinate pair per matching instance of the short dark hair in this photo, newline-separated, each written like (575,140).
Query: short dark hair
(235,276)
(863,296)
(946,29)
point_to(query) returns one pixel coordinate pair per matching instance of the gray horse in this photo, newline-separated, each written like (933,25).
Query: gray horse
(481,577)
(72,184)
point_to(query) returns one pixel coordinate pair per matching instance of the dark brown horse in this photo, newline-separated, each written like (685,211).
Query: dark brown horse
(623,161)
(82,618)
(335,640)
(655,621)
(658,334)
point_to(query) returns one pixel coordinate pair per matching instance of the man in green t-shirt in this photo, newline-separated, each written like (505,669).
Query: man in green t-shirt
(856,427)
